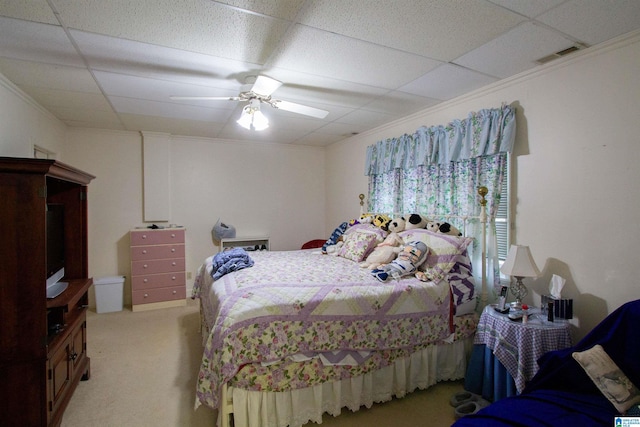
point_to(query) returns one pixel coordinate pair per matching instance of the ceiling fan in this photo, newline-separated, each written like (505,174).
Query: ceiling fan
(260,93)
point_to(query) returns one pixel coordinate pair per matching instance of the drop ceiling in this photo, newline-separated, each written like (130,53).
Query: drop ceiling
(113,64)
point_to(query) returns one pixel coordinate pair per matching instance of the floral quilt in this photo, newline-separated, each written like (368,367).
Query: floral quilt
(301,302)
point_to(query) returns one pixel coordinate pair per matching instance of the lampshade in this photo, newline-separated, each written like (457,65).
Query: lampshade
(520,263)
(252,117)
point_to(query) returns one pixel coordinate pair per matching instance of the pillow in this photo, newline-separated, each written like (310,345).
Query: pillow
(443,250)
(461,281)
(608,377)
(358,245)
(369,228)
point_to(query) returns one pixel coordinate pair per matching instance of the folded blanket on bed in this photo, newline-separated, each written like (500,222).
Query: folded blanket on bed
(228,261)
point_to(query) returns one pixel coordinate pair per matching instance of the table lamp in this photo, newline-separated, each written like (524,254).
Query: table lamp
(519,264)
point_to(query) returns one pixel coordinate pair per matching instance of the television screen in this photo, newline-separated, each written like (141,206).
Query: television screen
(55,238)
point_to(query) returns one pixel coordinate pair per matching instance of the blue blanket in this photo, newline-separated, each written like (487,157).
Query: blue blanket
(561,393)
(228,261)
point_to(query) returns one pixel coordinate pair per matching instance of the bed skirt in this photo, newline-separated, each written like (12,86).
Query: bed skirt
(297,407)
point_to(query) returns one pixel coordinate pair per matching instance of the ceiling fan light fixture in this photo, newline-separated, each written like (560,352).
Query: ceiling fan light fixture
(260,121)
(252,117)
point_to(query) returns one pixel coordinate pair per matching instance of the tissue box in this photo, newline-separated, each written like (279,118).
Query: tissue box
(562,307)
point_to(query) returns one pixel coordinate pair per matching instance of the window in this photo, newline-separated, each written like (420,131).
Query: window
(503,217)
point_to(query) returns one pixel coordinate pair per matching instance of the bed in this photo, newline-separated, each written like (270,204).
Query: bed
(299,333)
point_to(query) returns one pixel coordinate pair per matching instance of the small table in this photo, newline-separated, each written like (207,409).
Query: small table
(516,347)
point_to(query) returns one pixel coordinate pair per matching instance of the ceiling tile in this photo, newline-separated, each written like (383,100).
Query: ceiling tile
(32,10)
(527,7)
(146,60)
(38,74)
(85,115)
(418,26)
(400,104)
(52,98)
(515,51)
(160,90)
(447,82)
(331,55)
(594,21)
(32,41)
(196,26)
(284,9)
(167,109)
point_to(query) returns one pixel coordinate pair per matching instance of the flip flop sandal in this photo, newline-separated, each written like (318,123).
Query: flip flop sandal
(463,397)
(469,408)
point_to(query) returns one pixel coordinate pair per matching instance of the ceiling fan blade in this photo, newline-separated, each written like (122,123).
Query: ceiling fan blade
(265,86)
(206,98)
(300,109)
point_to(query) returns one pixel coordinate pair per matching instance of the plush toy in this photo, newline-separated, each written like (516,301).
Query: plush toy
(414,221)
(335,236)
(407,262)
(443,228)
(446,228)
(334,249)
(384,253)
(381,221)
(364,219)
(396,225)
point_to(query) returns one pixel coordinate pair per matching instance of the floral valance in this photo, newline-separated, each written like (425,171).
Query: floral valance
(482,133)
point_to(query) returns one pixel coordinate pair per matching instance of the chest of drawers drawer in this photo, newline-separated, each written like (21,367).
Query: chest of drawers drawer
(148,296)
(156,237)
(153,266)
(157,252)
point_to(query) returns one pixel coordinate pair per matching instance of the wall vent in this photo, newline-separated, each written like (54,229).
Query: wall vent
(576,47)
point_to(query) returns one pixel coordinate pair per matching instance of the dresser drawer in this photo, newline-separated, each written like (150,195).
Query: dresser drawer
(157,295)
(157,252)
(157,266)
(163,280)
(156,237)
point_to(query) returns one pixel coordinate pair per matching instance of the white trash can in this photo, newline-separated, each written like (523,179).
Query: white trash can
(109,292)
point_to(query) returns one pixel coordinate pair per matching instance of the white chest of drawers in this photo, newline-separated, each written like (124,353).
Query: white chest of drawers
(157,268)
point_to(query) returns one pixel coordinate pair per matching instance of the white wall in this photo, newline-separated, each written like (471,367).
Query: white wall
(275,190)
(23,124)
(577,150)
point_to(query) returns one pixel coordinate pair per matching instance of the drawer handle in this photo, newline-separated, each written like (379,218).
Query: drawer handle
(145,280)
(173,263)
(146,295)
(144,266)
(173,278)
(173,235)
(173,249)
(175,292)
(144,251)
(73,356)
(144,236)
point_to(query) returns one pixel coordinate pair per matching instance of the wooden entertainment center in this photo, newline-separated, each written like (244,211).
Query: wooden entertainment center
(43,342)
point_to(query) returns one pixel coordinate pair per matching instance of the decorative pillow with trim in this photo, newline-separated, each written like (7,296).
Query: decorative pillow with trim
(443,251)
(608,377)
(369,228)
(461,281)
(358,245)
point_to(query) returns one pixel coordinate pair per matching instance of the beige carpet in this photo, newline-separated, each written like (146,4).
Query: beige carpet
(144,367)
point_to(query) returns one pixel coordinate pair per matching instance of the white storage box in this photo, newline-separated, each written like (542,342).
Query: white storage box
(109,292)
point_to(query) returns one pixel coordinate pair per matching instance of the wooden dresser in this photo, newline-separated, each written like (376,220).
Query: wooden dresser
(43,342)
(157,268)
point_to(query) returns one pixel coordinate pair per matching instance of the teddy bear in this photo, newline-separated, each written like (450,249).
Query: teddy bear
(413,254)
(414,221)
(384,253)
(443,228)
